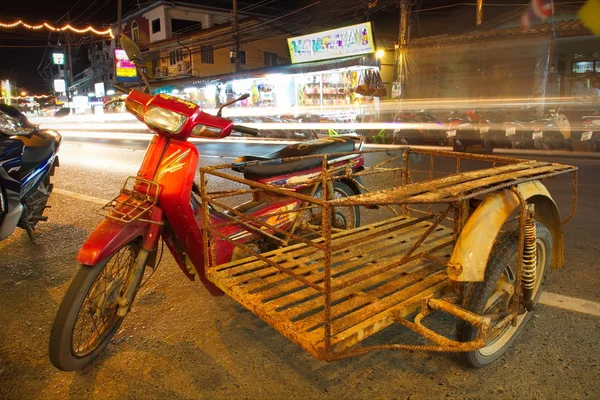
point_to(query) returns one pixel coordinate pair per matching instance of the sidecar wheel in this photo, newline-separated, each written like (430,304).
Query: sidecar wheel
(490,296)
(87,317)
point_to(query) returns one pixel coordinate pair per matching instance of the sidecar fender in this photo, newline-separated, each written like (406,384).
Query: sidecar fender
(109,236)
(470,255)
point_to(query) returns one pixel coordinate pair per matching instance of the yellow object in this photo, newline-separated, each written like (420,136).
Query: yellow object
(590,15)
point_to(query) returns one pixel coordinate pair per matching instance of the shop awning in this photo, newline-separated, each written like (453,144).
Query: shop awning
(309,67)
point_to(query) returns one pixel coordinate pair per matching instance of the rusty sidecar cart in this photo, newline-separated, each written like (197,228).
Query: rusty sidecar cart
(476,245)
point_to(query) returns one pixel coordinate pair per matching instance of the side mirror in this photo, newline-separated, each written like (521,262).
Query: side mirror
(131,49)
(135,56)
(242,97)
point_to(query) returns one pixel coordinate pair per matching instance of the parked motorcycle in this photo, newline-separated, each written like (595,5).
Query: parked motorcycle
(28,158)
(590,135)
(519,129)
(464,131)
(163,201)
(552,132)
(422,128)
(491,130)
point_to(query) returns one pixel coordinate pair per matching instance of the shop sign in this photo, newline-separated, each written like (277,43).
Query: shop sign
(58,58)
(335,43)
(60,86)
(125,69)
(99,89)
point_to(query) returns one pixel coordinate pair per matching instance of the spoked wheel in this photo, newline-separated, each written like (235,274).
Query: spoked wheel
(347,217)
(459,146)
(87,318)
(495,293)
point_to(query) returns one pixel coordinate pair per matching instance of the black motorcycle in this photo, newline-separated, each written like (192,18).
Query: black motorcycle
(28,158)
(421,127)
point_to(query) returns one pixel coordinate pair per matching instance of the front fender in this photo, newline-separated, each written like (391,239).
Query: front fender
(109,236)
(470,255)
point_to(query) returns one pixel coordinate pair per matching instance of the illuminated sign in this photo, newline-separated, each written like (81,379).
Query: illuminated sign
(58,58)
(335,43)
(5,91)
(59,86)
(99,89)
(125,69)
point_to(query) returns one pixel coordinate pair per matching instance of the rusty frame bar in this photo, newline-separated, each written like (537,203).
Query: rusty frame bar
(261,223)
(573,201)
(458,203)
(272,263)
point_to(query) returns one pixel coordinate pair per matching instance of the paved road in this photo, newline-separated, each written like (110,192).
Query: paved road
(179,342)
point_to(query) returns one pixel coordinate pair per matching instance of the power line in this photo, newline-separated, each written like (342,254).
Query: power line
(84,11)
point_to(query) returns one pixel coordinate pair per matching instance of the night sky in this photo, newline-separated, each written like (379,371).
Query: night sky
(23,50)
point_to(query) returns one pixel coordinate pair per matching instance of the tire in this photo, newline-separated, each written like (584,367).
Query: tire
(547,146)
(488,146)
(343,217)
(63,355)
(459,146)
(477,294)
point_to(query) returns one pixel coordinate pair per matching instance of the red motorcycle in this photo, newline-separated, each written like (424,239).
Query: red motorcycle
(163,201)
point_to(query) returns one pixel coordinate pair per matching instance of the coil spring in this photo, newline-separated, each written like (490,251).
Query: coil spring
(529,256)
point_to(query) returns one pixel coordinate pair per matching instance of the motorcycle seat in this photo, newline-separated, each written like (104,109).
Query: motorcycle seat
(273,166)
(38,148)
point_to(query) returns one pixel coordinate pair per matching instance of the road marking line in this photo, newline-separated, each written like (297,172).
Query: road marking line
(570,303)
(547,298)
(79,196)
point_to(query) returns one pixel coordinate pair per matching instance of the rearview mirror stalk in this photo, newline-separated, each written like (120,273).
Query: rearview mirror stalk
(242,97)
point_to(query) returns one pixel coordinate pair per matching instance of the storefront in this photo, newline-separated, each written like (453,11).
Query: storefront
(336,68)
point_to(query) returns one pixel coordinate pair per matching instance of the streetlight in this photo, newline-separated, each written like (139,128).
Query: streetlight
(23,93)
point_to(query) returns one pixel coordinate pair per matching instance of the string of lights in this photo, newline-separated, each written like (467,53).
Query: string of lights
(56,29)
(35,96)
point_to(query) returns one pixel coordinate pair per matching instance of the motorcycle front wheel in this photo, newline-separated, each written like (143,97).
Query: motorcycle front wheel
(87,317)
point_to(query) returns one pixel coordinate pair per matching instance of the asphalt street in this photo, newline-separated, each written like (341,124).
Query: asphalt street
(179,342)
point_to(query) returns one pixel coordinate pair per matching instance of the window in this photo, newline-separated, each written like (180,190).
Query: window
(135,32)
(156,25)
(583,66)
(175,56)
(183,26)
(271,58)
(207,55)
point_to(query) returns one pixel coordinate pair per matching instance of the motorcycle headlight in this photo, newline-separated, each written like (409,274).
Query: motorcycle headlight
(168,121)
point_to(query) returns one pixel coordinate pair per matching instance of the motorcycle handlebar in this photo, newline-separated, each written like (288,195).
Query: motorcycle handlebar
(246,130)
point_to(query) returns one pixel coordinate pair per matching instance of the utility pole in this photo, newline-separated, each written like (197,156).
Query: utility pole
(69,75)
(236,37)
(119,21)
(401,51)
(479,16)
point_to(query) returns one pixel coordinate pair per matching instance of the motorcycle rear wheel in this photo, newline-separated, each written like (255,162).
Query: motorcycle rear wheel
(344,217)
(87,317)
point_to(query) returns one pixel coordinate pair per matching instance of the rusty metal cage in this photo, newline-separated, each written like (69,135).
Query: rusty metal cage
(135,201)
(328,289)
